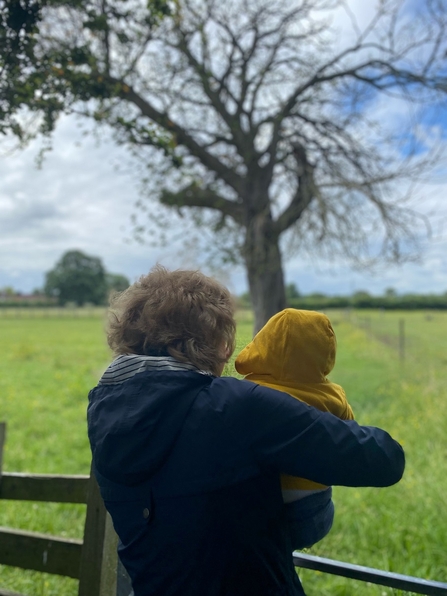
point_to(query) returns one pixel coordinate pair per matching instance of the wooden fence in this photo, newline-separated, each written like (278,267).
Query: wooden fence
(92,560)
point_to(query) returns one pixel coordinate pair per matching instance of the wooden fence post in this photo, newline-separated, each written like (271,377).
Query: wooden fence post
(98,572)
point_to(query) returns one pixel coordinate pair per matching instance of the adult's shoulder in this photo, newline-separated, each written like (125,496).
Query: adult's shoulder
(242,395)
(230,386)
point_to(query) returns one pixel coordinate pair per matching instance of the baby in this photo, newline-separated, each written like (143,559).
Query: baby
(294,352)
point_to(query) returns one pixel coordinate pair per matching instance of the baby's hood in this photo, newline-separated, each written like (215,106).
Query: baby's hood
(293,346)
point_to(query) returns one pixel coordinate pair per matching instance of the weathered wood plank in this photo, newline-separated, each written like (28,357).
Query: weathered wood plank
(374,576)
(41,552)
(44,487)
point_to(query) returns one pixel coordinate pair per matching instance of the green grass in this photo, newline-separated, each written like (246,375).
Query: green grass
(402,528)
(46,370)
(48,365)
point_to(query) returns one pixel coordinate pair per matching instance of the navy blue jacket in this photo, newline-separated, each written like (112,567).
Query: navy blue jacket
(188,465)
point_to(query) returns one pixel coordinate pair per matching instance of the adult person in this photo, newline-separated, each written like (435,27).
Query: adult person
(189,462)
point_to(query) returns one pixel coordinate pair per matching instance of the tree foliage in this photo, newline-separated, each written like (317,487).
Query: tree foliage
(55,53)
(116,282)
(78,278)
(257,117)
(19,81)
(363,300)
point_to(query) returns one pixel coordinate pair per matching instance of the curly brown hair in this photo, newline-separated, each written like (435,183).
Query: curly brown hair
(184,314)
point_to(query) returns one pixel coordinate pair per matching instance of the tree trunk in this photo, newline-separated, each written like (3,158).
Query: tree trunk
(264,269)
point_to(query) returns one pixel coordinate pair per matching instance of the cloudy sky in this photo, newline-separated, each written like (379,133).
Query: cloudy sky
(83,198)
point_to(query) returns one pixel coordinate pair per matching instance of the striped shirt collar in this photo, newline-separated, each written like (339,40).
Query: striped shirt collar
(128,365)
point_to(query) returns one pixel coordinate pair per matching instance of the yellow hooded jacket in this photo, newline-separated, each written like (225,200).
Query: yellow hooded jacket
(294,352)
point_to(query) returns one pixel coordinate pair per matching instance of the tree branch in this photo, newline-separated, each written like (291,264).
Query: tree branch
(306,191)
(195,196)
(182,137)
(231,120)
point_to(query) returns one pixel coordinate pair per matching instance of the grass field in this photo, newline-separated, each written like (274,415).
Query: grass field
(48,365)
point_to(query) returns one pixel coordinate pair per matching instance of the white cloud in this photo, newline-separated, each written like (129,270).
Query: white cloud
(79,201)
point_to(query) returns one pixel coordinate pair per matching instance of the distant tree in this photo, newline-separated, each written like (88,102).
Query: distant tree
(255,117)
(7,291)
(360,294)
(116,282)
(292,292)
(390,293)
(362,299)
(317,295)
(78,278)
(244,300)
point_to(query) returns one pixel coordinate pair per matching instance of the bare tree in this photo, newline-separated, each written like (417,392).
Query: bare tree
(259,120)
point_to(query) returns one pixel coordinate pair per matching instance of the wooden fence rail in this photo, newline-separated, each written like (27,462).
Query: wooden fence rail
(44,487)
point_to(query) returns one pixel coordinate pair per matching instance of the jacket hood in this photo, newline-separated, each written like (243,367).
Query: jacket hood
(294,345)
(136,413)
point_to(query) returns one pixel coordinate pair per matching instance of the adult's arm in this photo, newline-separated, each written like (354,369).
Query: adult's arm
(299,440)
